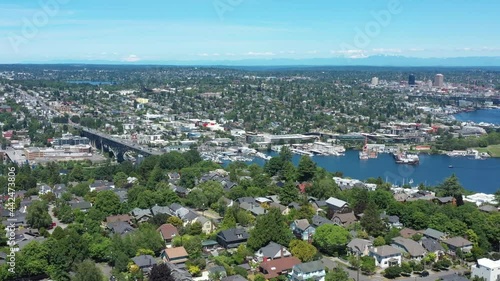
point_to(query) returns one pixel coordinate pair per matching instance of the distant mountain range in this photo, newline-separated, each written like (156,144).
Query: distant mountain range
(399,61)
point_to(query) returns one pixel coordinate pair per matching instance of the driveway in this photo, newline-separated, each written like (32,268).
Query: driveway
(55,219)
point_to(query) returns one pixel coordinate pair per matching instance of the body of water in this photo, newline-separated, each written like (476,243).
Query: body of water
(475,175)
(95,83)
(483,115)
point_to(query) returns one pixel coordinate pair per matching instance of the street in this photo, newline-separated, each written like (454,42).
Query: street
(331,262)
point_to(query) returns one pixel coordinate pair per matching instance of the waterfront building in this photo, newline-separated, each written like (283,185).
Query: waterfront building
(69,139)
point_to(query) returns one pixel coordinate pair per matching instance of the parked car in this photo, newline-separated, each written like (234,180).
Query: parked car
(424,273)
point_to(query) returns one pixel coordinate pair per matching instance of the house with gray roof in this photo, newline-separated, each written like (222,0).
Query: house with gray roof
(83,206)
(359,246)
(434,234)
(336,205)
(432,246)
(385,256)
(272,251)
(207,226)
(457,243)
(141,215)
(319,221)
(302,229)
(144,262)
(59,189)
(413,248)
(254,208)
(283,209)
(155,210)
(120,227)
(43,189)
(178,274)
(314,270)
(344,219)
(392,221)
(232,238)
(245,199)
(122,194)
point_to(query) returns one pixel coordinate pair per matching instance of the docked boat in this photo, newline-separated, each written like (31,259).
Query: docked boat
(406,158)
(363,155)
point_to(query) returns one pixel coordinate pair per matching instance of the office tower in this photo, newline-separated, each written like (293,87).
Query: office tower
(439,80)
(411,80)
(374,81)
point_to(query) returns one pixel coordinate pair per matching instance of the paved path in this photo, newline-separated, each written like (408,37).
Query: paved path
(55,219)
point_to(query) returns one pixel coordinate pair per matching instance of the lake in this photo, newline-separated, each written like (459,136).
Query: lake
(475,175)
(483,115)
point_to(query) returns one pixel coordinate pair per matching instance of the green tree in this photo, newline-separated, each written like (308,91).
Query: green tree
(302,250)
(33,259)
(188,177)
(337,274)
(306,211)
(38,215)
(371,220)
(120,179)
(306,169)
(289,193)
(108,202)
(269,227)
(331,239)
(323,188)
(367,265)
(161,272)
(451,186)
(212,190)
(392,272)
(87,271)
(197,199)
(379,241)
(175,221)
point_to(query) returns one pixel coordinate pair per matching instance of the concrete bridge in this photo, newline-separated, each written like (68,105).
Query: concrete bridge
(114,145)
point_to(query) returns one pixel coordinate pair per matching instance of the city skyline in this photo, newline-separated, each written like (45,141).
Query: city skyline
(223,30)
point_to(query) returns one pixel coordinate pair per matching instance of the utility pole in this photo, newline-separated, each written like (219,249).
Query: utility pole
(359,266)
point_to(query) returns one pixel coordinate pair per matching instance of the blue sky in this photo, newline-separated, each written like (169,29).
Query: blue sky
(168,30)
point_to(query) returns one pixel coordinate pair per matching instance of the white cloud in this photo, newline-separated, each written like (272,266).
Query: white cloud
(312,52)
(260,54)
(131,58)
(352,54)
(203,55)
(385,51)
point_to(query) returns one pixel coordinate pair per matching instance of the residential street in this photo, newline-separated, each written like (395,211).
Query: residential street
(331,262)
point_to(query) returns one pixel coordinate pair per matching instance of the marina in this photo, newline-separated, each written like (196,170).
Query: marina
(432,169)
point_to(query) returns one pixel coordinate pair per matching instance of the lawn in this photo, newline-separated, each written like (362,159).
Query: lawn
(493,150)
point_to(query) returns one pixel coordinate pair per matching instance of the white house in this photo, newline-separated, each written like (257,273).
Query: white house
(487,269)
(386,256)
(314,270)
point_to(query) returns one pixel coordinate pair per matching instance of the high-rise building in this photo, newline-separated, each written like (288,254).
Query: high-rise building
(439,80)
(374,81)
(411,80)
